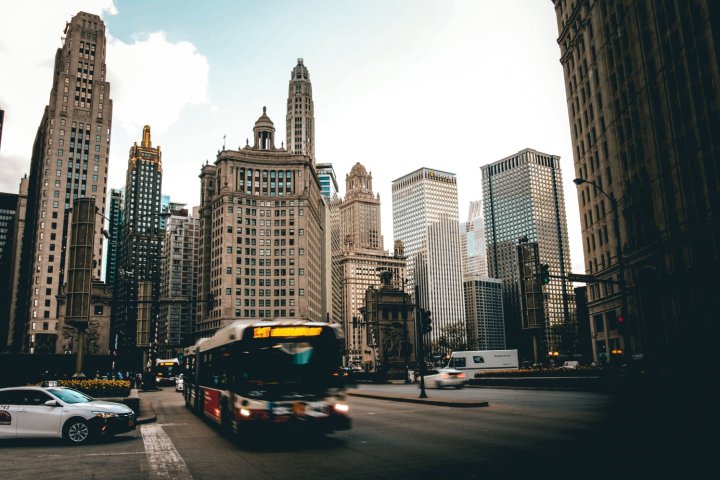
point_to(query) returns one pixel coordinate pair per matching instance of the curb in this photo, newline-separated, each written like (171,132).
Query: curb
(144,420)
(398,398)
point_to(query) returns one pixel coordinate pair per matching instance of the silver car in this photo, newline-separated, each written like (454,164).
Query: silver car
(445,377)
(60,412)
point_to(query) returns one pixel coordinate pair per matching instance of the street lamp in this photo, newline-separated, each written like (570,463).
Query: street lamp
(622,318)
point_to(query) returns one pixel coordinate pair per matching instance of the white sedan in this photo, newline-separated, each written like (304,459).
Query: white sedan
(445,377)
(60,412)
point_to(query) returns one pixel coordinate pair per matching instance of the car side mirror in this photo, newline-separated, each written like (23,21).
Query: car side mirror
(52,403)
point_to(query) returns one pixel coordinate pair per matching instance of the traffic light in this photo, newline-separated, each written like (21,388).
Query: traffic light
(621,324)
(426,319)
(544,274)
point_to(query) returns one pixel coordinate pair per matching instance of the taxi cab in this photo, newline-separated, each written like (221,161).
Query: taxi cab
(60,412)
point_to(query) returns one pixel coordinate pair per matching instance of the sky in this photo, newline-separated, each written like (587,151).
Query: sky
(397,85)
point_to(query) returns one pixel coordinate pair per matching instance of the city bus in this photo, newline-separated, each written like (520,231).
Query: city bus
(166,370)
(253,375)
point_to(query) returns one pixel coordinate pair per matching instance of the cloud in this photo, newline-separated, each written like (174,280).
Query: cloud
(27,68)
(14,167)
(152,80)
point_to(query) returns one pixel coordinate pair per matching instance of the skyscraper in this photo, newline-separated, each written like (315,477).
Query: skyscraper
(300,119)
(363,259)
(484,310)
(425,219)
(333,291)
(262,224)
(644,107)
(178,281)
(523,200)
(473,240)
(8,220)
(69,160)
(139,252)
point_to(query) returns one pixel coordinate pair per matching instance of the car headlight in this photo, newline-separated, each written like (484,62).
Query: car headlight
(105,414)
(341,407)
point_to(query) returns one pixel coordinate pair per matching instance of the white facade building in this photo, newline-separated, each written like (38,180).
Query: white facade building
(425,219)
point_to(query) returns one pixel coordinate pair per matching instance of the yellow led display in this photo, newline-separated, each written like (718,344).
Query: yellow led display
(266,332)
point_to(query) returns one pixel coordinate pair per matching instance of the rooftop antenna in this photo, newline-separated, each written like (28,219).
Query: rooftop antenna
(225,135)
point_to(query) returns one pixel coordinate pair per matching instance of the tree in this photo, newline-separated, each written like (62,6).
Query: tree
(452,338)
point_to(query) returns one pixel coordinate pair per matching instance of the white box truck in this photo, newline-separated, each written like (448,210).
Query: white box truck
(480,361)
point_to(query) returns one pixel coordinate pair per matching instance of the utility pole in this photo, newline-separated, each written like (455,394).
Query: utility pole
(421,345)
(79,284)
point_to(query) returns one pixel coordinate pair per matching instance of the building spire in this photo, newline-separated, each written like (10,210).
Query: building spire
(146,137)
(300,119)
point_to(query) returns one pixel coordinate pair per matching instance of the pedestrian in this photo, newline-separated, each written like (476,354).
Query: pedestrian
(138,380)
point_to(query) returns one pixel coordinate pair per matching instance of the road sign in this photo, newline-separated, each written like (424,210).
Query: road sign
(578,277)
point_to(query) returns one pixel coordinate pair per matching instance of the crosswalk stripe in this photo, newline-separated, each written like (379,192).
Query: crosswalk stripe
(162,457)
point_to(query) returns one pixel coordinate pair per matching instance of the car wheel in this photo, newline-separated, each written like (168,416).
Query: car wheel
(77,431)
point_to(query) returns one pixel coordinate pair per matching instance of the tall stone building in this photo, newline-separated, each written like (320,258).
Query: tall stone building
(425,220)
(16,331)
(69,160)
(524,202)
(176,324)
(644,107)
(363,259)
(262,223)
(139,253)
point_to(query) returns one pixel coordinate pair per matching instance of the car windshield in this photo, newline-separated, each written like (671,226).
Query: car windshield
(68,395)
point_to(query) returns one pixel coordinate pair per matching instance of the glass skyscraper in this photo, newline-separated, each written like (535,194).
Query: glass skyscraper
(523,202)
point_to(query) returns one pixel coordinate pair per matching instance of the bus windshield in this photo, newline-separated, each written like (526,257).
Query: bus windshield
(287,368)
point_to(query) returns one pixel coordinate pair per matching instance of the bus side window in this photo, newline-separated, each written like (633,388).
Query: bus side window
(478,359)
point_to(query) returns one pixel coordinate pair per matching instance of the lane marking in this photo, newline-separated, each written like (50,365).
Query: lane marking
(52,455)
(162,457)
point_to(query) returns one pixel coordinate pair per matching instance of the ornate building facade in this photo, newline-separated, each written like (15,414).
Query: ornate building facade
(644,109)
(139,251)
(362,260)
(262,224)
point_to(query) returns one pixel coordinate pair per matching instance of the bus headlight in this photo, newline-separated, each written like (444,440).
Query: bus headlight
(342,408)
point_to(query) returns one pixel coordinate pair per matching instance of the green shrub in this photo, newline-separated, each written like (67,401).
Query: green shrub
(99,388)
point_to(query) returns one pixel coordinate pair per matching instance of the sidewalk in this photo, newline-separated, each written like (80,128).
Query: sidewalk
(146,413)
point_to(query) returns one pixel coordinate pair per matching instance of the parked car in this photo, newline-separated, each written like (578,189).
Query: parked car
(445,377)
(60,412)
(179,383)
(570,365)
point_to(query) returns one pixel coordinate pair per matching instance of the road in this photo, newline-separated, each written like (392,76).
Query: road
(545,434)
